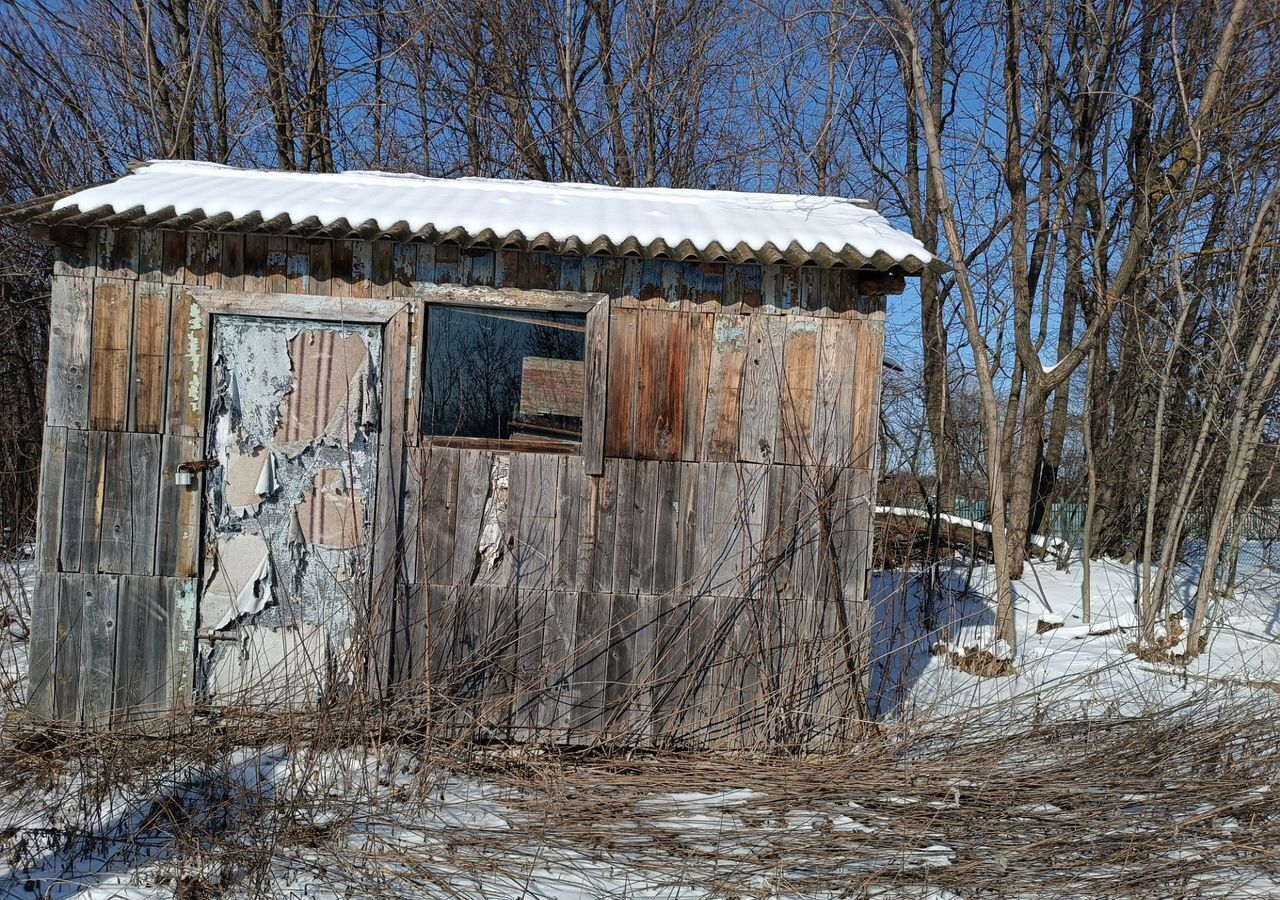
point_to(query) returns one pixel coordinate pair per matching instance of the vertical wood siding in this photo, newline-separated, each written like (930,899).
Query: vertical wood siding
(696,578)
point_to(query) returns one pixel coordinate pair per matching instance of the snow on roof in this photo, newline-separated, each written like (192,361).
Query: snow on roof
(730,225)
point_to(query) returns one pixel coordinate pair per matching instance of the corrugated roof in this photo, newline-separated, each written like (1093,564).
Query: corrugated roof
(566,218)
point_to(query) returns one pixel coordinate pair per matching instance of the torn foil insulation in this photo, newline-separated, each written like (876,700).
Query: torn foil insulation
(293,423)
(238,581)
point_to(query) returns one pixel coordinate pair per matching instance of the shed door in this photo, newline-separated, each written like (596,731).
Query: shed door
(293,428)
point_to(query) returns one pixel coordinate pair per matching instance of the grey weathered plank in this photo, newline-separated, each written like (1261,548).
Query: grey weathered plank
(53,461)
(415,391)
(76,262)
(749,639)
(686,524)
(659,575)
(568,522)
(42,646)
(96,477)
(761,390)
(182,641)
(624,518)
(556,709)
(475,468)
(70,331)
(117,252)
(130,492)
(591,669)
(439,636)
(471,653)
(698,709)
(480,295)
(628,696)
(701,567)
(672,686)
(494,715)
(77,520)
(596,395)
(141,686)
(437,470)
(752,493)
(232,262)
(197,248)
(597,531)
(385,542)
(97,628)
(67,642)
(255,262)
(532,511)
(177,544)
(529,674)
(641,529)
(188,360)
(806,571)
(721,514)
(409,646)
(304,306)
(782,520)
(143,464)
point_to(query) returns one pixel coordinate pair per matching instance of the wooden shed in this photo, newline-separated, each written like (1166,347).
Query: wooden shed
(539,462)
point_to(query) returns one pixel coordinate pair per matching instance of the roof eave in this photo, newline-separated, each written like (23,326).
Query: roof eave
(40,212)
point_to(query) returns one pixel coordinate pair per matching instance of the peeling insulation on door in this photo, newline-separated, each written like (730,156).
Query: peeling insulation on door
(293,425)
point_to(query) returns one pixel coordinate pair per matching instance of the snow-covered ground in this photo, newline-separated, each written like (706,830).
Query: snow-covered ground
(917,816)
(1066,667)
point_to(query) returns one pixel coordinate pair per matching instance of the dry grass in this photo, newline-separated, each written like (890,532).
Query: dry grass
(399,799)
(1166,806)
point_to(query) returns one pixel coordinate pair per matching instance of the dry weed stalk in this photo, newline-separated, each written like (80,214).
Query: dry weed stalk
(1174,804)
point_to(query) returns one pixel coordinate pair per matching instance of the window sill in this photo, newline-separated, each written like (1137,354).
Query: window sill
(511,445)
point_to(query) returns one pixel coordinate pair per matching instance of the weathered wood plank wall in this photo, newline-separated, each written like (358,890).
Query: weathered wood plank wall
(696,577)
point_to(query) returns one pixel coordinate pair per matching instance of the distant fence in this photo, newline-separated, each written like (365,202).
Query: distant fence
(1065,520)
